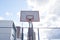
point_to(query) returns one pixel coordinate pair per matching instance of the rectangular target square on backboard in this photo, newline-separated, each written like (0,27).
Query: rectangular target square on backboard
(29,14)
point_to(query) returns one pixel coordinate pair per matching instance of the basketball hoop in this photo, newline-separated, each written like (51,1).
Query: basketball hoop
(29,18)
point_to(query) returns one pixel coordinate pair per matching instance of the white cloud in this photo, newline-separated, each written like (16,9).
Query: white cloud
(49,11)
(18,14)
(7,13)
(1,18)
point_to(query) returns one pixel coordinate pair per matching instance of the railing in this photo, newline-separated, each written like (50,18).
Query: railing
(43,33)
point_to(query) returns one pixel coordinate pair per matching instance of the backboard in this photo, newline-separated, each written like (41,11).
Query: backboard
(25,16)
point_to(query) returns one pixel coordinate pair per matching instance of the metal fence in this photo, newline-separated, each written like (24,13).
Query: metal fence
(44,33)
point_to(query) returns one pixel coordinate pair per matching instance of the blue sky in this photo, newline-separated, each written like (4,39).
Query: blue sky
(9,9)
(12,5)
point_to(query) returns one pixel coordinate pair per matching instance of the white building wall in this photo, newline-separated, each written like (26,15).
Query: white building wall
(5,33)
(6,29)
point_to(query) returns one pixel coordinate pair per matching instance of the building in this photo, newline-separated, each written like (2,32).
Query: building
(18,32)
(31,34)
(7,30)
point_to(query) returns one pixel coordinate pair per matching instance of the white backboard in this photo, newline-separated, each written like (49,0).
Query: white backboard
(25,15)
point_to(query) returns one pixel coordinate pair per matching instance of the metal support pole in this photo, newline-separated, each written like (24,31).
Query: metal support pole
(32,31)
(30,25)
(22,33)
(38,35)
